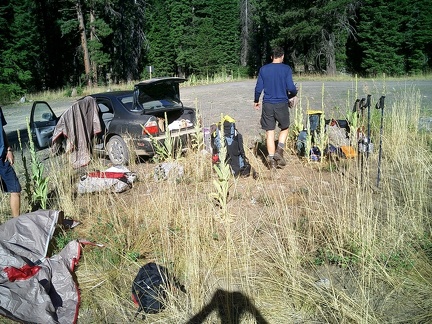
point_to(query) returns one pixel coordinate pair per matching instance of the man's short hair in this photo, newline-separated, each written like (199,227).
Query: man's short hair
(277,52)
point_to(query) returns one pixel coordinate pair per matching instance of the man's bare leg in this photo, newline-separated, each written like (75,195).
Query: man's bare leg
(15,203)
(283,136)
(270,142)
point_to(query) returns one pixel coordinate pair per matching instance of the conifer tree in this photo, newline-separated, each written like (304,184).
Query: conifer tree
(418,37)
(380,38)
(160,50)
(20,58)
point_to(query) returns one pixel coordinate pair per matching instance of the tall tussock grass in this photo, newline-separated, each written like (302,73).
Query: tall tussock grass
(317,245)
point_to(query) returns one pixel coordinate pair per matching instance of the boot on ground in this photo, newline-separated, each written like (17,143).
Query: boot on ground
(272,164)
(278,157)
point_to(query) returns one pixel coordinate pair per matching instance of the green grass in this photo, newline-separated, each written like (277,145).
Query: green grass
(272,244)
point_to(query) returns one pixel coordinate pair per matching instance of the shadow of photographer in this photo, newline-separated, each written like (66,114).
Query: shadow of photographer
(230,306)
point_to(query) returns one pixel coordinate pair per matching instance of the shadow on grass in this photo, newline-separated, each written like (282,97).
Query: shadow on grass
(260,151)
(230,306)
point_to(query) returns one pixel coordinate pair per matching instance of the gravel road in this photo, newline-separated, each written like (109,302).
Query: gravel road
(236,100)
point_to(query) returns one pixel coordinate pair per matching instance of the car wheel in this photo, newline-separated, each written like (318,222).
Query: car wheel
(117,150)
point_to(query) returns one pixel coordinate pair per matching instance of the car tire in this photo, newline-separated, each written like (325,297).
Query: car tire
(117,150)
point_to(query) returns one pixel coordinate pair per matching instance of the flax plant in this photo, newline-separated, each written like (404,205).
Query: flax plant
(166,150)
(223,172)
(298,117)
(36,185)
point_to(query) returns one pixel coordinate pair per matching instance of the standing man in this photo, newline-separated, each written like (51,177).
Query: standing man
(9,180)
(276,80)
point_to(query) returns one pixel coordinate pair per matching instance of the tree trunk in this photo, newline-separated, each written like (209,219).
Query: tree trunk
(84,46)
(92,38)
(330,55)
(245,15)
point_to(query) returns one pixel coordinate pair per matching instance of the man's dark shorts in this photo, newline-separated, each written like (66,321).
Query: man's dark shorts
(272,113)
(9,180)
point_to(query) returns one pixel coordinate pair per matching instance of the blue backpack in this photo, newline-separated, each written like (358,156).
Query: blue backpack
(236,156)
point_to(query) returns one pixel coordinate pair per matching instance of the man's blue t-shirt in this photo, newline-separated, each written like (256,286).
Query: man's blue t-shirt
(276,81)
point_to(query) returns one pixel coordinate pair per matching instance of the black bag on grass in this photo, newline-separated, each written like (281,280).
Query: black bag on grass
(236,156)
(149,288)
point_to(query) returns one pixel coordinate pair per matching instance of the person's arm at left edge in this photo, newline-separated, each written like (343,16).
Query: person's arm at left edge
(258,89)
(291,87)
(9,152)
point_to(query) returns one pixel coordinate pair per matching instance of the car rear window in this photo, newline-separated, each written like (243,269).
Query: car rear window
(159,96)
(127,102)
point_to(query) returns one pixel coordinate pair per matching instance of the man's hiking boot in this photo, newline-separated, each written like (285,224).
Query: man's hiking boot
(278,156)
(272,164)
(273,167)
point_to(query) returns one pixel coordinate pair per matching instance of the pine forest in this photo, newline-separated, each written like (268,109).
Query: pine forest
(50,44)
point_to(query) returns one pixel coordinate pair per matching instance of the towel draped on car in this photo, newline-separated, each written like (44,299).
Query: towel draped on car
(78,125)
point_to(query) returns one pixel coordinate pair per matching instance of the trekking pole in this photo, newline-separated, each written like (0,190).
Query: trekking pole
(361,139)
(368,105)
(356,111)
(380,105)
(356,106)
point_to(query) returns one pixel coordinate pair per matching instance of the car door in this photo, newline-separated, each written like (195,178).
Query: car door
(42,123)
(106,114)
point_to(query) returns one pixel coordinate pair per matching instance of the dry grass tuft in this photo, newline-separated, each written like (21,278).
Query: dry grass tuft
(318,245)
